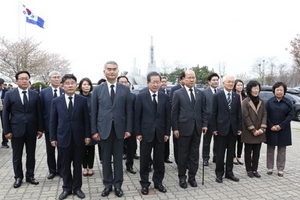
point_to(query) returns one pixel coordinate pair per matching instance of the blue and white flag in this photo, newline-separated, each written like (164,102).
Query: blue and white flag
(30,17)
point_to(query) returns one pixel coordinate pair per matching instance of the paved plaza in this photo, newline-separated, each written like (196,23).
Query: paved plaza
(267,187)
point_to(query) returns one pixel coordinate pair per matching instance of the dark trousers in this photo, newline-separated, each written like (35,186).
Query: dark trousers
(206,145)
(252,153)
(53,166)
(158,162)
(88,157)
(112,146)
(17,151)
(99,151)
(129,142)
(223,143)
(71,154)
(4,140)
(188,153)
(239,147)
(167,150)
(175,149)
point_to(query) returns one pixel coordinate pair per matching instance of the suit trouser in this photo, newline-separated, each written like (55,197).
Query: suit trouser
(53,166)
(252,153)
(206,145)
(281,157)
(130,150)
(223,143)
(4,140)
(175,148)
(17,151)
(112,146)
(71,154)
(158,161)
(188,146)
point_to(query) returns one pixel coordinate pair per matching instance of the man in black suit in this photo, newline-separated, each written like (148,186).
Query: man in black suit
(164,89)
(152,129)
(173,89)
(226,124)
(213,82)
(22,122)
(111,122)
(189,121)
(3,90)
(46,97)
(70,132)
(130,142)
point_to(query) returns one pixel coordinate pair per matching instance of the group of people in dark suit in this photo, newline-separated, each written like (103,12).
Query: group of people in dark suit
(110,116)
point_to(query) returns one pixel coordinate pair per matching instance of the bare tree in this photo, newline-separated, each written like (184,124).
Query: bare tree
(26,55)
(295,51)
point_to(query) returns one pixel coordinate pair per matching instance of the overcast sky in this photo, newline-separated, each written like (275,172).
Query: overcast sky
(91,32)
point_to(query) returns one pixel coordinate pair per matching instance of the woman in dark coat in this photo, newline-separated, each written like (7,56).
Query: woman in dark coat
(239,89)
(85,88)
(254,125)
(280,113)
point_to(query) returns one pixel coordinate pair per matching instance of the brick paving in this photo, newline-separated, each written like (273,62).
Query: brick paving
(267,187)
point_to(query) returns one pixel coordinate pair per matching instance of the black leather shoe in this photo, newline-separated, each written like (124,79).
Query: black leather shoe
(135,156)
(144,191)
(168,161)
(118,192)
(205,163)
(124,157)
(32,181)
(106,192)
(17,182)
(80,194)
(219,179)
(193,183)
(256,174)
(131,170)
(280,174)
(183,184)
(160,188)
(233,178)
(250,174)
(64,195)
(51,176)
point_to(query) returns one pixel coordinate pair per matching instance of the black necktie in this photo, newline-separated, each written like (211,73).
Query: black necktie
(229,99)
(25,99)
(112,93)
(215,90)
(192,96)
(70,108)
(154,103)
(55,93)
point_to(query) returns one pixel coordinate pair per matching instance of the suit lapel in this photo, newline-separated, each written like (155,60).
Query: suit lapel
(149,100)
(225,100)
(117,92)
(186,96)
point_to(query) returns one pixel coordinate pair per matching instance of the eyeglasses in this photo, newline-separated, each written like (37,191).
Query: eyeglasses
(23,79)
(70,83)
(155,82)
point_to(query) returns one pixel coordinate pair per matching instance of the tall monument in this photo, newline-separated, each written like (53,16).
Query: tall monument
(152,64)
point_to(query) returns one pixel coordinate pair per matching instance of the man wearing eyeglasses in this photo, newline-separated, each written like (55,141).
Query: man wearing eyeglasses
(22,122)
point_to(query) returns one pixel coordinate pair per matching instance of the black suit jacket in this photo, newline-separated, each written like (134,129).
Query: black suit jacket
(185,116)
(63,126)
(173,89)
(16,118)
(147,122)
(223,117)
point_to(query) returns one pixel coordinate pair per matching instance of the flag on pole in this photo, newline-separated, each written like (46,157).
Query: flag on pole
(30,17)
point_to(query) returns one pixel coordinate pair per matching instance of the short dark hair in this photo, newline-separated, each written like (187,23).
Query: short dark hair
(102,80)
(122,77)
(1,80)
(81,82)
(182,75)
(68,76)
(212,75)
(150,74)
(251,84)
(277,85)
(22,72)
